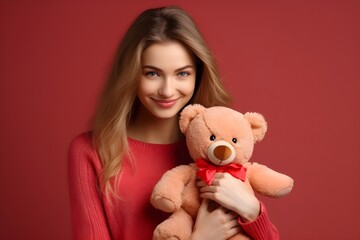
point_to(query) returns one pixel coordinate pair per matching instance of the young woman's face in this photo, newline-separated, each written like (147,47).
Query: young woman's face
(167,81)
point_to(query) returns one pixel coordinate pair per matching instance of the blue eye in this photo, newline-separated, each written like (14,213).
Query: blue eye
(183,74)
(152,74)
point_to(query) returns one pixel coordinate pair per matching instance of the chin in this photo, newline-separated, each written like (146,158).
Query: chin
(166,115)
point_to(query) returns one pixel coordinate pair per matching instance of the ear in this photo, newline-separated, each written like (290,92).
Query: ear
(188,114)
(258,125)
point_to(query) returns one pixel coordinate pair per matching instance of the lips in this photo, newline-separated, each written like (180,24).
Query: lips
(165,103)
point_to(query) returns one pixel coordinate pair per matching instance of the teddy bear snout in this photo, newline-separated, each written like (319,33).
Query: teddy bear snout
(222,152)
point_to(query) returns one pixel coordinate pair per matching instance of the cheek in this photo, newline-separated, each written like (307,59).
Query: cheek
(188,87)
(145,88)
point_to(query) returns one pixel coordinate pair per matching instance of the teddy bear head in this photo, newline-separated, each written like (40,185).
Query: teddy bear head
(221,135)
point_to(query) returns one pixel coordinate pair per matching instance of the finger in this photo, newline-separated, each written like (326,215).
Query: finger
(225,175)
(203,209)
(208,195)
(201,183)
(216,182)
(222,210)
(220,178)
(204,204)
(233,231)
(219,175)
(232,215)
(208,189)
(233,223)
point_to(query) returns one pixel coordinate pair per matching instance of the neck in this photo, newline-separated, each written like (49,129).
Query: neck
(147,128)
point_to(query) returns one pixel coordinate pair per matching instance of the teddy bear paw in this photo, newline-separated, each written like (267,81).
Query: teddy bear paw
(164,204)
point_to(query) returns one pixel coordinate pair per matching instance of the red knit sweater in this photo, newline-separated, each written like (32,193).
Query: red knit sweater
(132,217)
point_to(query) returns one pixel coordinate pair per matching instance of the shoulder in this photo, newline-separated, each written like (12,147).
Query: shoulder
(83,140)
(82,147)
(83,169)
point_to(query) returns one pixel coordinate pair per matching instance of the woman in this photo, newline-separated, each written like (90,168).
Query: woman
(162,64)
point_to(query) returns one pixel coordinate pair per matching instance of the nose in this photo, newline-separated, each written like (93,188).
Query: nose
(222,152)
(167,87)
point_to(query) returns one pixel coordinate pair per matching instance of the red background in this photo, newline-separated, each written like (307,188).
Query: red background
(296,62)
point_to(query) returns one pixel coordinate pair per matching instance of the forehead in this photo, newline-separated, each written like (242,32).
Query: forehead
(166,55)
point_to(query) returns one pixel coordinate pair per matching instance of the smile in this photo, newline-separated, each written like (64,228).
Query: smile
(165,103)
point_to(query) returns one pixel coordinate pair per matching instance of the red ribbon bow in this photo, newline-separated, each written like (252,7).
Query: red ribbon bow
(206,171)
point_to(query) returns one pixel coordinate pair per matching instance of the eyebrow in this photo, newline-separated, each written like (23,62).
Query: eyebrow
(158,69)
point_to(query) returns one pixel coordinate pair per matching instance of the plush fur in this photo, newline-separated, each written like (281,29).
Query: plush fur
(206,129)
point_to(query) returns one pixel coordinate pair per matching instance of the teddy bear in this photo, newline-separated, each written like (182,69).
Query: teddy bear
(219,139)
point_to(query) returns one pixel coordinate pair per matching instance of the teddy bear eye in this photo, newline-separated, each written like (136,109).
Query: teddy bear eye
(234,140)
(212,137)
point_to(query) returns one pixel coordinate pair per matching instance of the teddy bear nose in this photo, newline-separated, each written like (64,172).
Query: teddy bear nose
(222,152)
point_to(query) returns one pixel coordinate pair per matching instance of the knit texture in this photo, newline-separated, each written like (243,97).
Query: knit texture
(132,217)
(261,228)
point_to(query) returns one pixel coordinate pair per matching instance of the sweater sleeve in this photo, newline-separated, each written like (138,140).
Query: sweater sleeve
(261,228)
(87,212)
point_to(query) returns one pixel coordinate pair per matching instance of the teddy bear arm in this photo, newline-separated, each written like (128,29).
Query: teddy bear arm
(269,182)
(167,193)
(178,226)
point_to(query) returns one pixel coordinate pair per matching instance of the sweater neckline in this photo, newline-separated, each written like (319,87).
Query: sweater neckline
(145,145)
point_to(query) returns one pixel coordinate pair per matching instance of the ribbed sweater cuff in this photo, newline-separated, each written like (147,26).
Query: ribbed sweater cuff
(261,228)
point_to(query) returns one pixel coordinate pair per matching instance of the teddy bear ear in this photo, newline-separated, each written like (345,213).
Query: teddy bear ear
(258,125)
(188,114)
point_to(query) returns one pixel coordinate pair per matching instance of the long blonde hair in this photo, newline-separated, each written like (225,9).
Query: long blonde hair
(119,96)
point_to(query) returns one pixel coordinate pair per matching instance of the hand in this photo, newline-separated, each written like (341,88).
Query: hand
(219,224)
(232,194)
